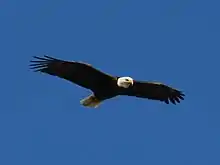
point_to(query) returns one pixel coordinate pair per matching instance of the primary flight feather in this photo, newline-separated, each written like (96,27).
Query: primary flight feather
(104,86)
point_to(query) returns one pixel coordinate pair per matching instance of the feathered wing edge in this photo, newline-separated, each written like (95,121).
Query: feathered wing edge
(170,94)
(176,96)
(41,63)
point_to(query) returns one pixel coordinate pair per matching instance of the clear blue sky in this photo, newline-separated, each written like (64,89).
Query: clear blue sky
(175,42)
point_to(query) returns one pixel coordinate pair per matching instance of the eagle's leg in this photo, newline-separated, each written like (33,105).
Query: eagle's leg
(90,101)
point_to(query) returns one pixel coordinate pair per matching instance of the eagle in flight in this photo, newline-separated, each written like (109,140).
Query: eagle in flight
(104,86)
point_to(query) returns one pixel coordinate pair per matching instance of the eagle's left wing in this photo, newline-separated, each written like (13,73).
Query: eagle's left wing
(155,91)
(79,73)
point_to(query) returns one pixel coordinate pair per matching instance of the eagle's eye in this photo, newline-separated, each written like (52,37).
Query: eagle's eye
(126,79)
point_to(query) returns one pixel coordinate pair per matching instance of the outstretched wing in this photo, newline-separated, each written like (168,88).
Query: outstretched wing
(155,91)
(79,73)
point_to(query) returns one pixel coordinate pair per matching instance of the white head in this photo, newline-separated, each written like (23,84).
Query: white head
(125,82)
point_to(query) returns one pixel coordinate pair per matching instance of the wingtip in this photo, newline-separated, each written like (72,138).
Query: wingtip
(37,63)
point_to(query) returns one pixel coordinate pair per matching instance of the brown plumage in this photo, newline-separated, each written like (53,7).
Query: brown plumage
(104,86)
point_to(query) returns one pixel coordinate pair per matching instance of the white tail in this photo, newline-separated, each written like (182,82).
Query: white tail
(90,101)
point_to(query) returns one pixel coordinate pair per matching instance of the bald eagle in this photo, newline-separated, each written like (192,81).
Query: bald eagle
(104,86)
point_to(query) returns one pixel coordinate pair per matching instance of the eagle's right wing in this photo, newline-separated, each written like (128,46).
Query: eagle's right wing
(79,73)
(155,91)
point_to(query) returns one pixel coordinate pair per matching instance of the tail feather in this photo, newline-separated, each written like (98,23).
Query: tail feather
(90,101)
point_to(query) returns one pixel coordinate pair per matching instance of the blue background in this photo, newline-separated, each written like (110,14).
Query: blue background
(174,42)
